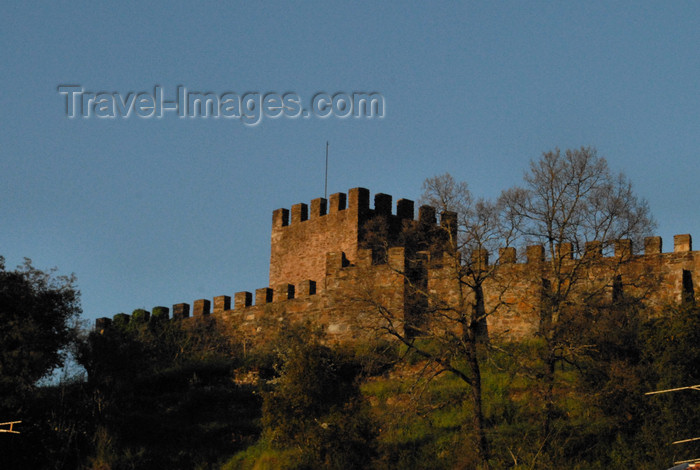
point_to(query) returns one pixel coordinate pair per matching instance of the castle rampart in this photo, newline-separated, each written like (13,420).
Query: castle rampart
(297,249)
(319,272)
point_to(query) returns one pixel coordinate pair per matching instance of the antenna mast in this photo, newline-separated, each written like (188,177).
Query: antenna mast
(325,187)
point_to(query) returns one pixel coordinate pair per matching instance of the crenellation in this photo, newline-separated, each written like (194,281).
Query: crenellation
(426,215)
(404,209)
(382,204)
(507,255)
(682,243)
(623,248)
(300,213)
(283,291)
(222,303)
(318,207)
(534,254)
(448,221)
(306,288)
(565,251)
(242,300)
(280,218)
(365,257)
(652,245)
(480,258)
(338,202)
(593,249)
(181,311)
(358,200)
(320,258)
(263,296)
(201,307)
(298,245)
(297,250)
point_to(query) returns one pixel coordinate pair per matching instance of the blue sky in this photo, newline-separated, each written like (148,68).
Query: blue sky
(160,211)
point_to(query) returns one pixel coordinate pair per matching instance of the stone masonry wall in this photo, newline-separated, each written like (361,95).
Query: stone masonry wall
(320,273)
(658,279)
(339,310)
(298,247)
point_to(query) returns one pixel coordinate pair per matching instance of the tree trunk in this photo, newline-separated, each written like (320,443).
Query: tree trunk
(471,337)
(478,418)
(549,309)
(550,366)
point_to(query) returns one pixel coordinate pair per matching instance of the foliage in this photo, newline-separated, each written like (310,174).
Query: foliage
(603,418)
(159,313)
(315,405)
(182,410)
(37,315)
(163,395)
(671,359)
(168,394)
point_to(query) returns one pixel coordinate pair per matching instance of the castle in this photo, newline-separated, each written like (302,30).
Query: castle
(319,266)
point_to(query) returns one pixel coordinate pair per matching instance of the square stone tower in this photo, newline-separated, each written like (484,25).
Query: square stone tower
(298,246)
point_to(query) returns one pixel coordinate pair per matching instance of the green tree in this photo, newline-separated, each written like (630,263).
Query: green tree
(38,316)
(669,349)
(38,313)
(163,394)
(315,405)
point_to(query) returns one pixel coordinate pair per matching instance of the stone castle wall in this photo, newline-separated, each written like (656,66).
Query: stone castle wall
(320,273)
(298,249)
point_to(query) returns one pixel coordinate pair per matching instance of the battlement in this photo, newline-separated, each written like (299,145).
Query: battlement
(355,201)
(253,312)
(319,258)
(300,238)
(536,254)
(203,307)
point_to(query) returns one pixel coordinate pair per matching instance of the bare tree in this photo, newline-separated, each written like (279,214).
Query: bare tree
(448,330)
(578,210)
